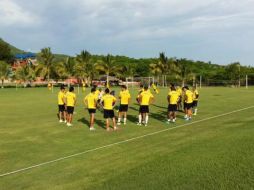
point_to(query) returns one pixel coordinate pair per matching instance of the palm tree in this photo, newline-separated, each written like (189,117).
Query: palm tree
(108,66)
(86,68)
(25,74)
(183,71)
(47,59)
(4,71)
(66,69)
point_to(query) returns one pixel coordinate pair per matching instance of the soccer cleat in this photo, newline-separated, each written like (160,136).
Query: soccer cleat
(92,129)
(69,124)
(145,124)
(185,116)
(115,128)
(173,120)
(124,123)
(118,123)
(65,121)
(61,121)
(195,114)
(139,124)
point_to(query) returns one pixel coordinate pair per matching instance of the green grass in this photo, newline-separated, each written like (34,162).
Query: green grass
(213,154)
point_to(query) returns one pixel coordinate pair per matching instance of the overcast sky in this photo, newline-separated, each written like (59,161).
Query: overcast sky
(221,31)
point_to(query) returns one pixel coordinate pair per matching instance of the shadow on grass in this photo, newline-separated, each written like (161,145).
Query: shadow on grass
(100,123)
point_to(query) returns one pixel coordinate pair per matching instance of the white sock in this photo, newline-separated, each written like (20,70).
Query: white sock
(196,110)
(119,119)
(124,120)
(146,119)
(140,118)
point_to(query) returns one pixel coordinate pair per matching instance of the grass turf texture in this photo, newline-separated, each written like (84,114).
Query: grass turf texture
(214,154)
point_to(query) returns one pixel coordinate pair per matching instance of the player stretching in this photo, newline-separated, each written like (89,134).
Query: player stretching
(145,98)
(124,97)
(173,97)
(91,101)
(195,100)
(61,106)
(108,101)
(70,102)
(188,100)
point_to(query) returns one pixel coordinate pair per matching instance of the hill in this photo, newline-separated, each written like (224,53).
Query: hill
(14,50)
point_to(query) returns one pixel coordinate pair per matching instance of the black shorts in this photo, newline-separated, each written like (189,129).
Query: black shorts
(172,107)
(123,108)
(188,106)
(70,109)
(61,108)
(144,109)
(195,103)
(109,114)
(91,111)
(184,105)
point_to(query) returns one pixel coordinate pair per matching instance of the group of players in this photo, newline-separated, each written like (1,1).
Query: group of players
(106,100)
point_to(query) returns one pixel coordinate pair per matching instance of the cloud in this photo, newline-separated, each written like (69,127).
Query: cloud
(11,14)
(132,27)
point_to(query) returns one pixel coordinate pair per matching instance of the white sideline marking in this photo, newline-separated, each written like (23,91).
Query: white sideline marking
(121,142)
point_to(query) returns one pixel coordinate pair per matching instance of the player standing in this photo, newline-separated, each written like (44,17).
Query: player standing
(188,100)
(195,100)
(70,103)
(145,98)
(91,102)
(124,97)
(108,101)
(61,105)
(173,97)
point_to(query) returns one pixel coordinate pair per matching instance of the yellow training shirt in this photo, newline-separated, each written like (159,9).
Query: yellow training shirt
(188,97)
(145,98)
(97,92)
(173,97)
(124,97)
(108,101)
(71,98)
(195,93)
(91,100)
(61,96)
(179,91)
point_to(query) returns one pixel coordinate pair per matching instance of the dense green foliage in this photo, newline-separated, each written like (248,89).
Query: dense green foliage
(212,154)
(87,67)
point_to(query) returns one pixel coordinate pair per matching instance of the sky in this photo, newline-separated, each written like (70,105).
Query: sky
(220,31)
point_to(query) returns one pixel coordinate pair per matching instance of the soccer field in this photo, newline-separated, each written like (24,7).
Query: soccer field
(213,151)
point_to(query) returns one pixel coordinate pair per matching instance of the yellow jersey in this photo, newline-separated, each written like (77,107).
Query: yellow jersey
(71,99)
(61,96)
(179,91)
(145,98)
(108,101)
(173,97)
(188,97)
(91,100)
(195,95)
(97,92)
(124,97)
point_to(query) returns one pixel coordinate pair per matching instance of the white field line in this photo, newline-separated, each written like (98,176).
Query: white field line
(120,142)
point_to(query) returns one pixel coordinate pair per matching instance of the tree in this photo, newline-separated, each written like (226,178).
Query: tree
(183,71)
(25,74)
(4,71)
(163,66)
(108,66)
(66,69)
(86,68)
(5,51)
(47,60)
(233,71)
